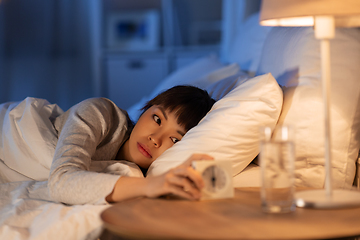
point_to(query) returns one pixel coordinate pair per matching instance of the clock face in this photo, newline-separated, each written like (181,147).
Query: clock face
(215,178)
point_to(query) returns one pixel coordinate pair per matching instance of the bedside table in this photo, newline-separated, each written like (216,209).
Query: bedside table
(237,218)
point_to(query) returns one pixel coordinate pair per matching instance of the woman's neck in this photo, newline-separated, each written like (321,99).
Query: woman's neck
(123,153)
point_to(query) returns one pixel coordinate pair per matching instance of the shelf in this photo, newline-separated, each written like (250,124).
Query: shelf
(135,61)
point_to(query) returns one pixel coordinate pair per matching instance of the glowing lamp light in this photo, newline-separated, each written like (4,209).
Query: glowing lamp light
(324,15)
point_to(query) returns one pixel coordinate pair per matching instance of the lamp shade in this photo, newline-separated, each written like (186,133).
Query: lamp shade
(346,13)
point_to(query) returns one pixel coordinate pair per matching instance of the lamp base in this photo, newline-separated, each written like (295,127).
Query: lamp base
(340,198)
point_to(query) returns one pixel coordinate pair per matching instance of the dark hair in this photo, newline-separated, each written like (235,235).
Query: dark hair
(189,103)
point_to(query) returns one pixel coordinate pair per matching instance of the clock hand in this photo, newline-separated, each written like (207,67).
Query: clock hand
(213,178)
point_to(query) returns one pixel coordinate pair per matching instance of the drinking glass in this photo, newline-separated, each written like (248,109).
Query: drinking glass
(277,158)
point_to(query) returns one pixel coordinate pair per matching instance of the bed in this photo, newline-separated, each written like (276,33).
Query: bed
(270,77)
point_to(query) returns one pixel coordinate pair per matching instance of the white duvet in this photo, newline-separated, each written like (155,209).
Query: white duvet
(27,144)
(26,213)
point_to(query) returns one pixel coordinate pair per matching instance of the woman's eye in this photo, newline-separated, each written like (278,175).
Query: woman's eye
(174,140)
(157,119)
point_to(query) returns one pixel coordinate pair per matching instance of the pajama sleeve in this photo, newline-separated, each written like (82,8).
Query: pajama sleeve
(86,128)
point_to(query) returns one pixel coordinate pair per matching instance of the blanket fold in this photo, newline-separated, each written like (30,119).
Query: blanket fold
(28,139)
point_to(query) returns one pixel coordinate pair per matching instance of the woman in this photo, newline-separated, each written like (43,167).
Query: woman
(96,129)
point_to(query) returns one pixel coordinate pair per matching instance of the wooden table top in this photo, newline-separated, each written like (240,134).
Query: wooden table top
(238,218)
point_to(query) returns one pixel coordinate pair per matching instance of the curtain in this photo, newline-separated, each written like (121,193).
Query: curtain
(47,50)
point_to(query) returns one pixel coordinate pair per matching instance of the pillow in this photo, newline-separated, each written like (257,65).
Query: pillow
(230,130)
(292,55)
(219,89)
(246,47)
(202,73)
(214,76)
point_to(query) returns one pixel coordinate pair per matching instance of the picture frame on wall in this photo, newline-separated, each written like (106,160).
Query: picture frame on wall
(133,31)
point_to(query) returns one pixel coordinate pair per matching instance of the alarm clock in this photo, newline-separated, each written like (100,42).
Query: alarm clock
(217,176)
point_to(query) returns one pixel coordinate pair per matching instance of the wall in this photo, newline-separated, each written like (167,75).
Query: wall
(45,51)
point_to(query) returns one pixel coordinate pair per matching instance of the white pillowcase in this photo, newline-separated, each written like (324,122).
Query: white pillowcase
(219,89)
(230,130)
(292,55)
(202,73)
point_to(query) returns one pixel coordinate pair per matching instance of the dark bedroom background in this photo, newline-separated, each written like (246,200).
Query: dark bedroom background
(59,50)
(46,50)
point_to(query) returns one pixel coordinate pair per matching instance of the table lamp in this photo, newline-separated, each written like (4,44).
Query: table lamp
(324,15)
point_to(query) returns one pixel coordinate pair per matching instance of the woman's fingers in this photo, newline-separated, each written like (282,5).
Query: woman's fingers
(186,170)
(178,191)
(186,185)
(191,174)
(190,194)
(183,181)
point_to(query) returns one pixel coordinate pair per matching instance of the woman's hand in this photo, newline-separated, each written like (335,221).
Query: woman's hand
(182,181)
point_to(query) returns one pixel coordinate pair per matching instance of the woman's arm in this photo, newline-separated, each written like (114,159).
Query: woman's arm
(92,129)
(182,181)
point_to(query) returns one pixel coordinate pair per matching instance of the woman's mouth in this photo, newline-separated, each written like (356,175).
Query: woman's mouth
(144,150)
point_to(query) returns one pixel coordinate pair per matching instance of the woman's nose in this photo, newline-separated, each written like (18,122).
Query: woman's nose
(155,140)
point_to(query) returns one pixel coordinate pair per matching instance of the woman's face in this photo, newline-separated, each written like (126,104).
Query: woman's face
(156,131)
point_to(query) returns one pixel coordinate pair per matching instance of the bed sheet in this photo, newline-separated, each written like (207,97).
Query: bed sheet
(249,177)
(26,212)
